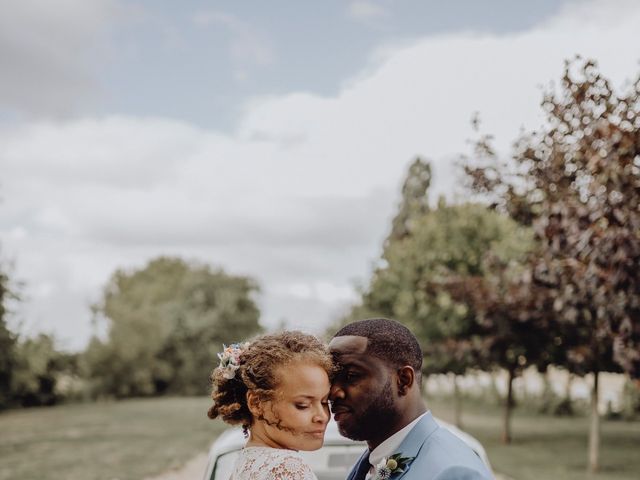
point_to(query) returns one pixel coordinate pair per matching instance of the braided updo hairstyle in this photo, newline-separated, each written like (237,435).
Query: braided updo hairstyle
(258,365)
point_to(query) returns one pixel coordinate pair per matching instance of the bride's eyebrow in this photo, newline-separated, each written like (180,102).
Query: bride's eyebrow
(306,397)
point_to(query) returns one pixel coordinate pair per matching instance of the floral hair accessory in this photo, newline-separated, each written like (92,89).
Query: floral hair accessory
(396,463)
(230,359)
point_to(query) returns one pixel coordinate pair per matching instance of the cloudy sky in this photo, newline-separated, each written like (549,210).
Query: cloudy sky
(267,138)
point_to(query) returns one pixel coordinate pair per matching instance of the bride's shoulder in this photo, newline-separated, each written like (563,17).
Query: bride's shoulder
(282,464)
(291,466)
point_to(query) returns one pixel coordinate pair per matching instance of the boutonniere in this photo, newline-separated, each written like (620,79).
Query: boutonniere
(396,463)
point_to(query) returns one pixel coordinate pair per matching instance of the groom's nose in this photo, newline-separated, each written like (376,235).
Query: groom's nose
(335,392)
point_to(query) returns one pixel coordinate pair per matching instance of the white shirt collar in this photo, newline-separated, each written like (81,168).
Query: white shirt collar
(391,444)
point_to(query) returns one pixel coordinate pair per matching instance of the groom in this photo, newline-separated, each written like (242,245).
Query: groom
(376,397)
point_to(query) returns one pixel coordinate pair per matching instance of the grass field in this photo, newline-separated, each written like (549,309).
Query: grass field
(119,440)
(140,438)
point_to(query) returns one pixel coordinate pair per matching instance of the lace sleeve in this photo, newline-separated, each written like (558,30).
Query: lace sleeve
(271,464)
(292,468)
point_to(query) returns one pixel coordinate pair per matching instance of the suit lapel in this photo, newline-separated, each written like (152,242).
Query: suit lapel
(361,468)
(411,445)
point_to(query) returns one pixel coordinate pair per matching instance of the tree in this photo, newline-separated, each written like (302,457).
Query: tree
(427,249)
(450,243)
(415,200)
(577,181)
(516,328)
(38,368)
(7,344)
(166,323)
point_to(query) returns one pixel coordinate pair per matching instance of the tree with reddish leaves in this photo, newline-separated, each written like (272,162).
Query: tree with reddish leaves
(516,330)
(577,181)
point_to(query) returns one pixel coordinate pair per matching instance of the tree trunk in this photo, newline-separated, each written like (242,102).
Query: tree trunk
(457,403)
(506,426)
(567,387)
(594,428)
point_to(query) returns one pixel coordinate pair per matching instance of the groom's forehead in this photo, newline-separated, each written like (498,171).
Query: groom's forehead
(348,345)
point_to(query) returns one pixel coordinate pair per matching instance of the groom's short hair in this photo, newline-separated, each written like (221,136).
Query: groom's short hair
(388,340)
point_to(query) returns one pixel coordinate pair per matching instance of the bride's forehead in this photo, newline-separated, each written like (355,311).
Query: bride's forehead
(296,373)
(309,383)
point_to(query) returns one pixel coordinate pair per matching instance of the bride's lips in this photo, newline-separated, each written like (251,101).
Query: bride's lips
(316,433)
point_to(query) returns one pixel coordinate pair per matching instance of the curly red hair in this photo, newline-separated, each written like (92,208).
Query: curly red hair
(258,370)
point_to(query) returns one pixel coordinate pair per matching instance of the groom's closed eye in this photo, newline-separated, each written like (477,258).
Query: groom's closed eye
(348,375)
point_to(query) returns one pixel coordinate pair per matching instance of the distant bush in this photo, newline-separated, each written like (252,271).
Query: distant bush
(631,400)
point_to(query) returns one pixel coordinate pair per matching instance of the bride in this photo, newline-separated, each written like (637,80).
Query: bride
(277,388)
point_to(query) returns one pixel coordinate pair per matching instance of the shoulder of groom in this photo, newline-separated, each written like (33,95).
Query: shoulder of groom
(461,473)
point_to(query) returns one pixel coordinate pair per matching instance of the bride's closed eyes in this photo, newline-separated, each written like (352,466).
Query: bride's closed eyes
(305,405)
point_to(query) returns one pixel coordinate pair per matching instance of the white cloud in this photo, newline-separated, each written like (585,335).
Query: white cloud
(300,195)
(46,50)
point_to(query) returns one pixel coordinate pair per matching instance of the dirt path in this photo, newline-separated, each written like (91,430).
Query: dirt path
(192,470)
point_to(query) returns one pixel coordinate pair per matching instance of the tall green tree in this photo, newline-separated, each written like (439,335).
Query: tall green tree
(577,181)
(166,322)
(415,200)
(425,250)
(450,242)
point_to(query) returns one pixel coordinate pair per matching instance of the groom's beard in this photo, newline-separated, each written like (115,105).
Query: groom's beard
(376,418)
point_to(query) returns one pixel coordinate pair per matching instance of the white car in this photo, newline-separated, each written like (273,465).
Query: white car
(332,462)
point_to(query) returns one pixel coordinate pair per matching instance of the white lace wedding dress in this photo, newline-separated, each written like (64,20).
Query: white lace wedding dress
(264,463)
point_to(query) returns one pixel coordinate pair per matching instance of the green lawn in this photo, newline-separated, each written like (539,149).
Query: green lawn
(119,440)
(139,438)
(548,447)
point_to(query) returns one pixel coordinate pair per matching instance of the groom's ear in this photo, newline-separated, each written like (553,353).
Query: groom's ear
(406,379)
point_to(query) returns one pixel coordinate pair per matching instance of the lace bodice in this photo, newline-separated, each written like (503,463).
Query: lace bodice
(264,463)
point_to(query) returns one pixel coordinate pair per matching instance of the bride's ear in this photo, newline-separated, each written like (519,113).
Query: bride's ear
(253,402)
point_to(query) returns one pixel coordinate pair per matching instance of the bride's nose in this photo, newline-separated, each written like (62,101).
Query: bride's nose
(321,415)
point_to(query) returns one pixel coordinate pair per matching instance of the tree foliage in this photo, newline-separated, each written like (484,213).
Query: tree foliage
(30,368)
(449,242)
(426,250)
(166,323)
(7,345)
(39,368)
(516,330)
(577,181)
(415,200)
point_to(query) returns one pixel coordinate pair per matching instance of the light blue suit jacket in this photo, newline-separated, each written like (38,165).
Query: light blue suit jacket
(439,455)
